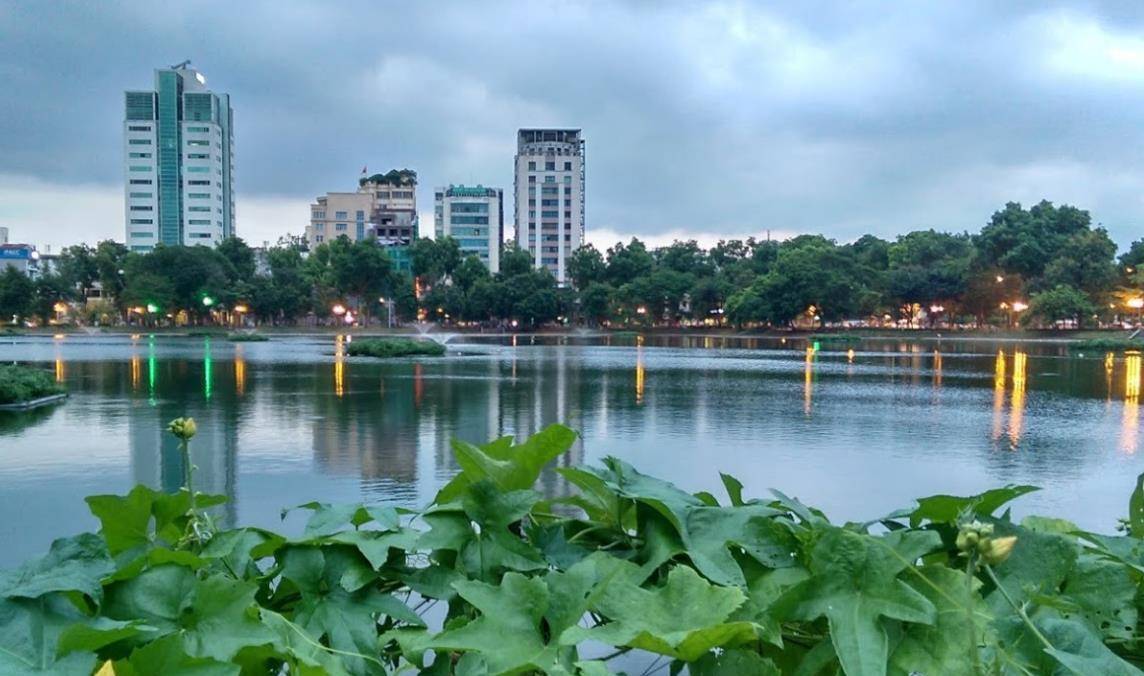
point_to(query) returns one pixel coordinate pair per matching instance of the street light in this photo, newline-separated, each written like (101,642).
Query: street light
(339,309)
(240,308)
(1018,306)
(208,301)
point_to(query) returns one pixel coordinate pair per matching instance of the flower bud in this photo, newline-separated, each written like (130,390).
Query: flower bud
(183,428)
(999,549)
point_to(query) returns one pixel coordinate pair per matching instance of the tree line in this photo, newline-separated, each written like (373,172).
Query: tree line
(1043,265)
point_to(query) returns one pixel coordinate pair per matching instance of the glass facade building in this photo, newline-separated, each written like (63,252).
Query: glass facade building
(179,162)
(474,216)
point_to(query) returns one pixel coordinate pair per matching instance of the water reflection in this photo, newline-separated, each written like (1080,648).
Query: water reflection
(1130,425)
(381,430)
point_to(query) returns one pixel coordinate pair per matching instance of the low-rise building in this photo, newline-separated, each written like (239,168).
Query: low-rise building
(474,216)
(23,257)
(384,207)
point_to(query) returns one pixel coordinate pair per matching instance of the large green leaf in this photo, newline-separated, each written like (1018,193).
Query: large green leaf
(214,617)
(1037,566)
(950,644)
(167,656)
(684,619)
(509,467)
(1136,509)
(144,515)
(507,633)
(949,508)
(72,564)
(734,662)
(30,631)
(855,584)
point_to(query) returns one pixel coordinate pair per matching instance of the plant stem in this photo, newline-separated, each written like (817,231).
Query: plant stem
(1020,609)
(970,567)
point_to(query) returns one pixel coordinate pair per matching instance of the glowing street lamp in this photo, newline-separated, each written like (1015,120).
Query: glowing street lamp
(208,301)
(152,308)
(339,309)
(1018,306)
(240,308)
(1135,303)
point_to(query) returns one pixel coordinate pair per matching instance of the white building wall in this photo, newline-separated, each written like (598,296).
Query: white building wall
(141,175)
(549,194)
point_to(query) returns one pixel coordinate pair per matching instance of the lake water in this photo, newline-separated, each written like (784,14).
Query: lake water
(293,420)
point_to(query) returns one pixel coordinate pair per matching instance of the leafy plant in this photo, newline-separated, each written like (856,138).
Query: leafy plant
(23,383)
(494,578)
(386,348)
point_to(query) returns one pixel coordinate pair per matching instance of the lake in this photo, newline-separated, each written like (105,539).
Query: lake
(858,433)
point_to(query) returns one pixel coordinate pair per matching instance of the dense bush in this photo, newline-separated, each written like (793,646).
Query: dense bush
(525,584)
(394,347)
(22,383)
(247,337)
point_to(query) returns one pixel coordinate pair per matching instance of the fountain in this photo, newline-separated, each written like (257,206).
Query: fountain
(423,329)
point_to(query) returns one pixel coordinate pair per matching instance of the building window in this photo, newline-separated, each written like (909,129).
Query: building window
(141,208)
(200,209)
(139,142)
(340,226)
(567,215)
(199,195)
(339,215)
(568,192)
(532,166)
(137,167)
(198,156)
(549,213)
(319,226)
(142,195)
(532,179)
(139,156)
(198,182)
(198,129)
(531,213)
(360,215)
(549,179)
(198,143)
(199,170)
(319,214)
(199,221)
(550,203)
(567,166)
(141,221)
(139,128)
(140,181)
(318,238)
(550,166)
(142,235)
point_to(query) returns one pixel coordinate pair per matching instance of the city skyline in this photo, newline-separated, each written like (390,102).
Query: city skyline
(721,120)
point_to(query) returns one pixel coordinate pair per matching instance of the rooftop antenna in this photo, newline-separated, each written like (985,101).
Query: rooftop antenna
(182,65)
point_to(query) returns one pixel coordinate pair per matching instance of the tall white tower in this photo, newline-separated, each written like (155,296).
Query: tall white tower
(549,206)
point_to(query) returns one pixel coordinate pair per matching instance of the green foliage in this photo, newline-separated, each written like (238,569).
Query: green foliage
(17,295)
(385,348)
(627,561)
(247,337)
(22,383)
(1107,345)
(1059,304)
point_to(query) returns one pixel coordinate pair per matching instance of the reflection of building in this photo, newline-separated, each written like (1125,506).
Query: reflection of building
(178,159)
(549,206)
(474,217)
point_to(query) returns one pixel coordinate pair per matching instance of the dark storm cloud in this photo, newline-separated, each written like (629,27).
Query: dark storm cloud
(724,118)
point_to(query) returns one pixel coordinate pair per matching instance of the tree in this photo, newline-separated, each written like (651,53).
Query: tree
(469,272)
(49,290)
(1025,242)
(434,259)
(111,263)
(514,261)
(1061,303)
(586,266)
(240,256)
(77,267)
(626,263)
(361,270)
(17,294)
(1085,263)
(596,302)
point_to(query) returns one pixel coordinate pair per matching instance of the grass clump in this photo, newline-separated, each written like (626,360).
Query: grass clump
(24,383)
(836,337)
(1107,344)
(241,337)
(386,348)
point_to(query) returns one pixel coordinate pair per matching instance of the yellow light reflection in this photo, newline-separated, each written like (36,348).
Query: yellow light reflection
(60,371)
(418,386)
(850,355)
(340,365)
(1109,362)
(239,371)
(1130,425)
(998,394)
(136,371)
(808,381)
(639,371)
(937,368)
(1017,403)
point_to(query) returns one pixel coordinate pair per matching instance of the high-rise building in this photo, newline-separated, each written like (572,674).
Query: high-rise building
(384,207)
(474,216)
(549,185)
(179,162)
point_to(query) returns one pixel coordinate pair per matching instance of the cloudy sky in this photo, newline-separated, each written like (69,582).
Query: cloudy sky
(702,120)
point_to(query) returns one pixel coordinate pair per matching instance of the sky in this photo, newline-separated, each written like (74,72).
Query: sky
(702,120)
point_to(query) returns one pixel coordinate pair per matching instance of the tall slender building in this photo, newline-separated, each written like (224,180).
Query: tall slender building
(549,186)
(179,162)
(474,216)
